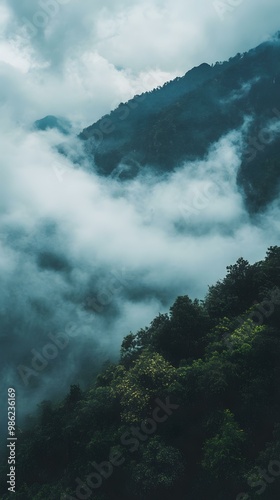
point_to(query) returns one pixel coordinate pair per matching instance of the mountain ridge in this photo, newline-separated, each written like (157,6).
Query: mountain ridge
(179,122)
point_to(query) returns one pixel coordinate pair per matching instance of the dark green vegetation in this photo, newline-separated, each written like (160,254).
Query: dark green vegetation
(219,361)
(182,119)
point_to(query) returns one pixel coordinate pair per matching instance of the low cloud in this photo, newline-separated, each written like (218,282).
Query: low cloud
(107,257)
(66,233)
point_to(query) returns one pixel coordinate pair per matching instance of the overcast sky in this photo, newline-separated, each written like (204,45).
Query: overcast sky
(81,58)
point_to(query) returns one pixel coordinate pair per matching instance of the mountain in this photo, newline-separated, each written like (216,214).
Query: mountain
(191,410)
(181,120)
(53,122)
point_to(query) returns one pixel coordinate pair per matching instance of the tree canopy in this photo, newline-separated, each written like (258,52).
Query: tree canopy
(191,410)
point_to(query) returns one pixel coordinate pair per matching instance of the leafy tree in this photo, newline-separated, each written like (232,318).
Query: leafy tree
(222,453)
(148,378)
(157,469)
(222,371)
(183,335)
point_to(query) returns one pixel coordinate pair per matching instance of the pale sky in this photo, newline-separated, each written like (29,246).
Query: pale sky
(81,58)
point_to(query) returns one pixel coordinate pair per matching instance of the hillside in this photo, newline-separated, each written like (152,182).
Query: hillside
(180,121)
(190,411)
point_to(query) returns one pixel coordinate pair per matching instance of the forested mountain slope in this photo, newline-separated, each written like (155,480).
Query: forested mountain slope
(181,120)
(192,410)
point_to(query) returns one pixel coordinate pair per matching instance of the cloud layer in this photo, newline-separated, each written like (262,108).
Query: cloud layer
(91,258)
(80,59)
(97,258)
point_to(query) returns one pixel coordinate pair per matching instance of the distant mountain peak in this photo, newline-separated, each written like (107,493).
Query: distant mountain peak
(53,122)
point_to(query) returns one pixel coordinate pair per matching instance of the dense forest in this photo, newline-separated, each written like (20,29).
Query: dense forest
(191,411)
(180,121)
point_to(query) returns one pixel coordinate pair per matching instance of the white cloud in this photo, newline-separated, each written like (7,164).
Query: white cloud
(172,235)
(90,56)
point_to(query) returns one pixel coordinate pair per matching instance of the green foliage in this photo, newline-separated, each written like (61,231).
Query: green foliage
(179,335)
(222,454)
(222,371)
(158,468)
(148,378)
(180,121)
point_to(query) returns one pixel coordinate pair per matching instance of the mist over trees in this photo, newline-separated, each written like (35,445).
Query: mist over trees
(104,229)
(191,410)
(179,122)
